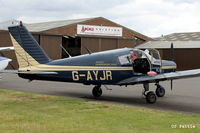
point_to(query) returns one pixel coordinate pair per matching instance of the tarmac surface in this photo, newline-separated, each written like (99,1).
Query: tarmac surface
(184,98)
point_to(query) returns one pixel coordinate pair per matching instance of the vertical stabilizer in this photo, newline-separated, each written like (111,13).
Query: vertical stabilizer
(27,49)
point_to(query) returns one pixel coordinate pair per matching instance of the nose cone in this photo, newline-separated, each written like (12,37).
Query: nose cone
(168,66)
(168,63)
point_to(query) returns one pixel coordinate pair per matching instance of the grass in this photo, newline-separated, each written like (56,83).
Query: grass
(32,113)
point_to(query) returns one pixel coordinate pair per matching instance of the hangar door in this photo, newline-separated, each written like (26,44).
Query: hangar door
(51,45)
(96,44)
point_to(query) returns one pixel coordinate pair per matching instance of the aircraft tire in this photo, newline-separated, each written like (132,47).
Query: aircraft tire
(160,91)
(97,91)
(151,97)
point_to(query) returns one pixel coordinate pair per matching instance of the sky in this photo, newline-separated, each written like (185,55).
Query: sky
(149,17)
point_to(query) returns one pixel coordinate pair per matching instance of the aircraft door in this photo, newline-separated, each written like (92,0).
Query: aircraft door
(140,62)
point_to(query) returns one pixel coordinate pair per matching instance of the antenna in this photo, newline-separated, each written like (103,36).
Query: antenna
(89,51)
(65,51)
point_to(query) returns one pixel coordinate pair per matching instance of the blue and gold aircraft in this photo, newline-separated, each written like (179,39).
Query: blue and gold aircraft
(126,66)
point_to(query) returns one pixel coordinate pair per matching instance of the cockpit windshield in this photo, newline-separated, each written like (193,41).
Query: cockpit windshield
(154,56)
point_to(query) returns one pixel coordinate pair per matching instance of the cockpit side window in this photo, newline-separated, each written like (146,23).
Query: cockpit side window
(124,59)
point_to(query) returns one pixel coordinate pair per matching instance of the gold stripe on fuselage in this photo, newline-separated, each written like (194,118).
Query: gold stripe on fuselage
(43,67)
(168,67)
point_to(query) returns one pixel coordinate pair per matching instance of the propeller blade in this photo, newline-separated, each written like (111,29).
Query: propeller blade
(172,52)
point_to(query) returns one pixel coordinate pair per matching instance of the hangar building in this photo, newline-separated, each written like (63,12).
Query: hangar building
(97,34)
(186,49)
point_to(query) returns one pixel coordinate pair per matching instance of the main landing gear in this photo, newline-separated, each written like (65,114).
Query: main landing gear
(150,95)
(97,91)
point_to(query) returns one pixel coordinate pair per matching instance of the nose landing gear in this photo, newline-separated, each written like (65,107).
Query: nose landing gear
(150,95)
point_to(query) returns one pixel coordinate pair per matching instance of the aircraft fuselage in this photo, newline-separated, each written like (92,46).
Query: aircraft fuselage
(108,67)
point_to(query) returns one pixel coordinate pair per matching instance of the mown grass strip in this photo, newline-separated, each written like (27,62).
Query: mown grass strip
(33,113)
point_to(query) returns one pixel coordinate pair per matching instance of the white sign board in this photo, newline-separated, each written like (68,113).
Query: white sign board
(99,30)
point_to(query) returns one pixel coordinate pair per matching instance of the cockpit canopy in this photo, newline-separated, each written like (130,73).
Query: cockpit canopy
(152,55)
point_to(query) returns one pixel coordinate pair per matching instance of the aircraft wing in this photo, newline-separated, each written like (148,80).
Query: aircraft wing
(6,48)
(160,77)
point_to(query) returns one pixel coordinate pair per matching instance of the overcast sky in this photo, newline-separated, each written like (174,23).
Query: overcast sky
(149,17)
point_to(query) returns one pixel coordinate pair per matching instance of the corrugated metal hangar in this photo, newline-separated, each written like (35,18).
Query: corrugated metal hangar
(98,34)
(186,49)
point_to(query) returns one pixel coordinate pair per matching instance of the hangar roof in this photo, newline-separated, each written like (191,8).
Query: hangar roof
(189,36)
(44,26)
(167,44)
(38,27)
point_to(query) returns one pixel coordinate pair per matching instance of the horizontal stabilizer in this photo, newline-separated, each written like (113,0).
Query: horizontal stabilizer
(9,71)
(27,72)
(37,72)
(6,48)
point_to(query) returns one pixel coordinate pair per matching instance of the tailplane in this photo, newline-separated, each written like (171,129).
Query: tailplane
(27,49)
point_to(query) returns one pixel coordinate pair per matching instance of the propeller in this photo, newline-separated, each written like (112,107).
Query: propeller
(172,59)
(172,52)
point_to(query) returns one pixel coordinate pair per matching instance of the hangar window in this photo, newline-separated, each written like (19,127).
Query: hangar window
(72,44)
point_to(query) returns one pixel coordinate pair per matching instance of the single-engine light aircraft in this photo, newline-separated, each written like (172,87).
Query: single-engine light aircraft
(126,66)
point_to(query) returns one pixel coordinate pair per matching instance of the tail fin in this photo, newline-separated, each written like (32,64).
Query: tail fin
(27,50)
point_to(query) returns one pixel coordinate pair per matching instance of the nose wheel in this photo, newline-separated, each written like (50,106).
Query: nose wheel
(151,97)
(97,91)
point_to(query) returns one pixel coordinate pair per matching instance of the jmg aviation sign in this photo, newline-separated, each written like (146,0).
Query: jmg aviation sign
(99,30)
